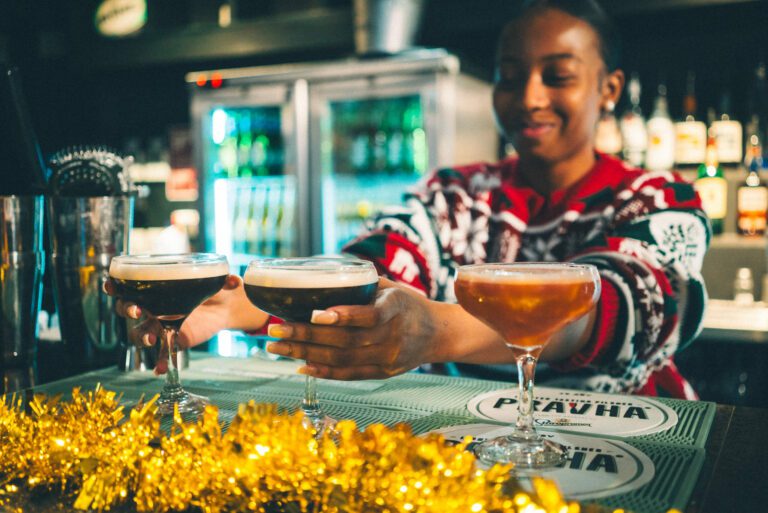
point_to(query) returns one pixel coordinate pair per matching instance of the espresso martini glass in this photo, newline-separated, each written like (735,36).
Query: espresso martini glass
(526,303)
(291,288)
(169,287)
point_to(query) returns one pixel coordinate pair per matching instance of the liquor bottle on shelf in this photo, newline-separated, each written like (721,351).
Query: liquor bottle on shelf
(752,199)
(690,133)
(757,109)
(757,99)
(608,136)
(754,146)
(660,155)
(728,134)
(633,131)
(712,187)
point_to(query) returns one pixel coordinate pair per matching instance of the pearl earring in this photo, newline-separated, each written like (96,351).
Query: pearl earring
(610,105)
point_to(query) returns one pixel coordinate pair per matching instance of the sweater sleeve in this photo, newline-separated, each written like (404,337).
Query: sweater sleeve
(440,226)
(653,295)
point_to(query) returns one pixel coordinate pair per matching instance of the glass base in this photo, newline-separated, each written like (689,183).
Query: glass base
(524,452)
(319,422)
(188,403)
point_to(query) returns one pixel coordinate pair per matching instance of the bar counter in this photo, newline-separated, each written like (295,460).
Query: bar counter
(700,457)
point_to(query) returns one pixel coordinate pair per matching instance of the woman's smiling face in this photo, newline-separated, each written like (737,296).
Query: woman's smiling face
(550,85)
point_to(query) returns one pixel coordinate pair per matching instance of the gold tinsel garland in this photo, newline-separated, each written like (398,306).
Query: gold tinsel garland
(86,452)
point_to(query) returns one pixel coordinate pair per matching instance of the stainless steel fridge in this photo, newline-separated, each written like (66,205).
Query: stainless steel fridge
(294,157)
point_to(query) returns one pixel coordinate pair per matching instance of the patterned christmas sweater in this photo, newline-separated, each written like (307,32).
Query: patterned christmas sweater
(645,232)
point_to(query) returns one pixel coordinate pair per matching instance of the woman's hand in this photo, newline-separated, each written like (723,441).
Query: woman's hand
(393,335)
(227,309)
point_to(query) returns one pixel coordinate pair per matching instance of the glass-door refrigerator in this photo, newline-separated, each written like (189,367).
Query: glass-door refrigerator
(249,150)
(295,157)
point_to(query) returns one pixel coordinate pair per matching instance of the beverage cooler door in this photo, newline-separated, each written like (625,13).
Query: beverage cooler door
(247,147)
(371,139)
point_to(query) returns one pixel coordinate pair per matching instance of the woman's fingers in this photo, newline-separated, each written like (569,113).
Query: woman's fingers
(232,282)
(344,373)
(388,303)
(145,333)
(323,335)
(333,356)
(161,366)
(129,310)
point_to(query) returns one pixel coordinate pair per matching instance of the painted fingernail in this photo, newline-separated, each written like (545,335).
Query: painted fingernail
(324,317)
(279,348)
(308,370)
(279,331)
(148,339)
(134,311)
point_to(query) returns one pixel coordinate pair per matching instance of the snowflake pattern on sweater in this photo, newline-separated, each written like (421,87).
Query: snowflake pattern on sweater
(645,232)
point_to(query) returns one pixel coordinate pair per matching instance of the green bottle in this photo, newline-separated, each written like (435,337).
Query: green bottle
(712,187)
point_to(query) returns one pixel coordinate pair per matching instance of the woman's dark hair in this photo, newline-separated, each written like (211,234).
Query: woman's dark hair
(590,12)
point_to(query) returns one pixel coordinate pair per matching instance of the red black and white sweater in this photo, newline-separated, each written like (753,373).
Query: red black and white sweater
(645,231)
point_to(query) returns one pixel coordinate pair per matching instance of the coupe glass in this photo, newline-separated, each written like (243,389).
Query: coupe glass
(291,288)
(526,303)
(169,287)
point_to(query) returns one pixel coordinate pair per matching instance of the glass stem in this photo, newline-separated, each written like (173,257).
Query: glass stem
(172,382)
(526,367)
(310,404)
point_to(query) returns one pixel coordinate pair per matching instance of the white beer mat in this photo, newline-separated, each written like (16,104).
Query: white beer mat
(595,467)
(579,412)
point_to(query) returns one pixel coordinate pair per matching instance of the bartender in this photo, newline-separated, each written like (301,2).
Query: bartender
(558,199)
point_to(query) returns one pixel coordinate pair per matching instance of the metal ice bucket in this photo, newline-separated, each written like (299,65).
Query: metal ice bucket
(86,232)
(21,269)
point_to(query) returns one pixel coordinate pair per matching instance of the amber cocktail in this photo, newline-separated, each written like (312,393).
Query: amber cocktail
(526,303)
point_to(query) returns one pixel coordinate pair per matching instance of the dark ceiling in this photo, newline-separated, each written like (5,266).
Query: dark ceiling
(82,86)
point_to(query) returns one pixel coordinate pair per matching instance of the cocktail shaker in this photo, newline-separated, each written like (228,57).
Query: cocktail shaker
(86,232)
(22,262)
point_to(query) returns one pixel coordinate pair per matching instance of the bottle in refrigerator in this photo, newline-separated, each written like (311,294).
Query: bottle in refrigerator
(253,233)
(752,199)
(242,211)
(272,224)
(362,140)
(379,144)
(244,145)
(265,220)
(660,155)
(712,187)
(285,227)
(395,140)
(690,133)
(728,134)
(633,130)
(415,152)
